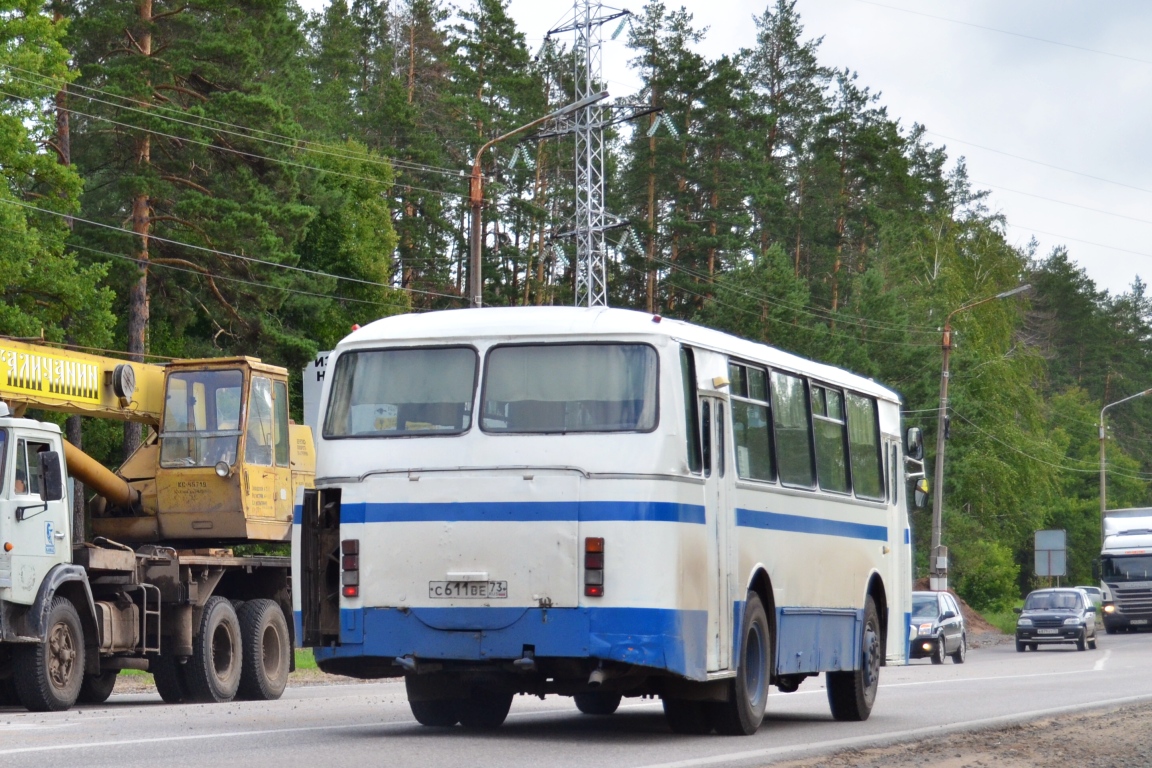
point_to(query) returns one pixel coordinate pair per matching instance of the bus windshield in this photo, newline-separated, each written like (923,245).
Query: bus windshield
(558,388)
(201,418)
(1127,568)
(402,392)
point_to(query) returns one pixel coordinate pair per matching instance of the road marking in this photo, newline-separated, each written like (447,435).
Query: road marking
(888,738)
(1100,664)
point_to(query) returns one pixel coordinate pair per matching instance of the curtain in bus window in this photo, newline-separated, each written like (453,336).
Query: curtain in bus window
(864,445)
(831,458)
(393,392)
(793,430)
(570,388)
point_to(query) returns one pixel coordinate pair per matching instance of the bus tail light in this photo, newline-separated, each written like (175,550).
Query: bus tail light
(594,567)
(350,562)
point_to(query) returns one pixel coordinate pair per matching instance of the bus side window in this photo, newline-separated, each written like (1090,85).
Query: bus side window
(691,422)
(793,430)
(720,447)
(706,433)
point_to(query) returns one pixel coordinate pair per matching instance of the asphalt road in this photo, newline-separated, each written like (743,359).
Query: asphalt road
(370,724)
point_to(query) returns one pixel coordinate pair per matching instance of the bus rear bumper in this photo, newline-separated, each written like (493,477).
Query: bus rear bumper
(661,639)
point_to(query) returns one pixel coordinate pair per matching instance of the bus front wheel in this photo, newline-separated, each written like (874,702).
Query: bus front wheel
(852,694)
(743,712)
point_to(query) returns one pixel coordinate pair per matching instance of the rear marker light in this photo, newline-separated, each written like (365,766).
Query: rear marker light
(350,562)
(594,567)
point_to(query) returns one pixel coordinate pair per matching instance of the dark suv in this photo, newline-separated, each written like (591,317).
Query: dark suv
(1056,616)
(937,628)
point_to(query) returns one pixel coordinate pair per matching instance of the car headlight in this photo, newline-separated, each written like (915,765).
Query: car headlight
(925,629)
(1072,622)
(1024,622)
(1109,608)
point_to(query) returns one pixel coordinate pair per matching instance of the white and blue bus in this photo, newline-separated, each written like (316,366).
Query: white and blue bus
(601,503)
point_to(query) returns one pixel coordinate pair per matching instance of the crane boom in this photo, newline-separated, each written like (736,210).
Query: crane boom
(76,382)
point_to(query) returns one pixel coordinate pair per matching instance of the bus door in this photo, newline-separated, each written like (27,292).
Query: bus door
(713,426)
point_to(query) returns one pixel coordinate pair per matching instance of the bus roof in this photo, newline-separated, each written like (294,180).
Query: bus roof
(502,323)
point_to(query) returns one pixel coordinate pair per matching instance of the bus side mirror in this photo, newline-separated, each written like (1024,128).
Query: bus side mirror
(914,443)
(52,476)
(920,493)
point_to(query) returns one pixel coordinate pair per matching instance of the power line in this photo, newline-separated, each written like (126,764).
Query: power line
(1085,242)
(1007,32)
(218,252)
(1063,202)
(157,110)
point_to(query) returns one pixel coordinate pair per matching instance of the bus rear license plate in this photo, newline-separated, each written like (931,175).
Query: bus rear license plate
(468,590)
(1139,621)
(1047,631)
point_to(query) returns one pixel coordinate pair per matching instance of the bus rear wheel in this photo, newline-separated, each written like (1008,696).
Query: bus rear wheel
(743,712)
(852,694)
(484,710)
(597,702)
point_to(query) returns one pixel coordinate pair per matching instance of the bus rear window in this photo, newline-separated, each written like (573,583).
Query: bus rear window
(402,392)
(558,388)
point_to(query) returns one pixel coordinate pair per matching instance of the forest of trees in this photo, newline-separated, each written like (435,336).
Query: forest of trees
(191,178)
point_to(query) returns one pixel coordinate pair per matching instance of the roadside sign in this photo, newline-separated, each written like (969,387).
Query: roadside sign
(1051,553)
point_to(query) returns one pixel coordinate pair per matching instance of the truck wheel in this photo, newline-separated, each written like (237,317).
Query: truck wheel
(688,717)
(267,651)
(852,694)
(97,688)
(484,710)
(8,697)
(213,672)
(48,675)
(743,712)
(168,674)
(597,703)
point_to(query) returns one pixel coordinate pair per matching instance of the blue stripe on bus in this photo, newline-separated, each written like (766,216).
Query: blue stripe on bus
(775,521)
(523,511)
(672,640)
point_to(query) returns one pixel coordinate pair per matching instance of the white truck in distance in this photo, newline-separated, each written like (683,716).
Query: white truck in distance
(1126,569)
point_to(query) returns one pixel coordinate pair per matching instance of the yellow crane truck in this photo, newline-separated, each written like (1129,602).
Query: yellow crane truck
(157,586)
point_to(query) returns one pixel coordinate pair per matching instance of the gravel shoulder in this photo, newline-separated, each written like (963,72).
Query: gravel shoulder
(1107,738)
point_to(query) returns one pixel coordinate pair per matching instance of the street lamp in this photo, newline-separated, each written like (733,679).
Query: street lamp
(476,189)
(938,567)
(1102,439)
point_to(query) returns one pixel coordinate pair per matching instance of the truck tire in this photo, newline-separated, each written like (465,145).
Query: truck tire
(97,688)
(8,697)
(597,702)
(852,694)
(168,673)
(742,714)
(267,651)
(48,674)
(213,672)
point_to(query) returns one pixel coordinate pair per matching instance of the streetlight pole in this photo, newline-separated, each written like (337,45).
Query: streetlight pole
(1103,438)
(938,565)
(476,192)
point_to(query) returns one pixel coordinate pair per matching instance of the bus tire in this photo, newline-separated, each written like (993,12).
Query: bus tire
(597,702)
(484,710)
(852,694)
(97,688)
(48,674)
(267,650)
(213,672)
(687,716)
(436,713)
(742,714)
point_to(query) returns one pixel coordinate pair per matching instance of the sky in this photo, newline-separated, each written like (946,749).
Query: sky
(1048,101)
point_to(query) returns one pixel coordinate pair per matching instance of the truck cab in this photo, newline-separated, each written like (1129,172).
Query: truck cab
(35,528)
